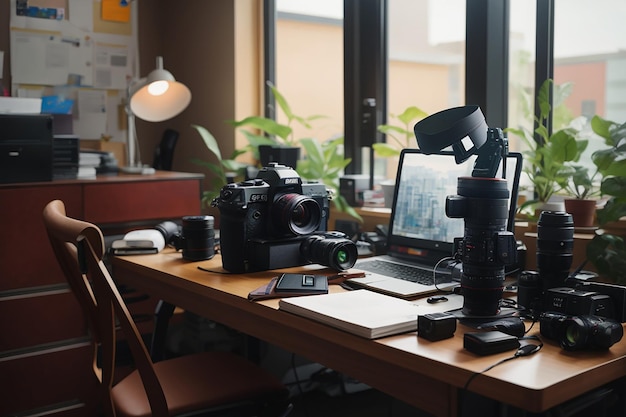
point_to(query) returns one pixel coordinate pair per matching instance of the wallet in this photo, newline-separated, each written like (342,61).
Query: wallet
(489,343)
(291,285)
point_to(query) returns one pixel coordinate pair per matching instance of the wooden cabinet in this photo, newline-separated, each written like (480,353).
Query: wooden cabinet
(45,352)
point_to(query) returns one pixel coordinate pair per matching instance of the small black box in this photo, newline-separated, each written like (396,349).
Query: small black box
(25,147)
(488,343)
(351,188)
(436,326)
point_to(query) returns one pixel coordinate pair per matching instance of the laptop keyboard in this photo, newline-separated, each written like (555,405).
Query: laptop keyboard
(404,272)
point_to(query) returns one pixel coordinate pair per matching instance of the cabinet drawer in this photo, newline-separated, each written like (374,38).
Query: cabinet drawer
(27,259)
(45,378)
(36,318)
(149,200)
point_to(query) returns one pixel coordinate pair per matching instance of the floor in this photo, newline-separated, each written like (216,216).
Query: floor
(369,403)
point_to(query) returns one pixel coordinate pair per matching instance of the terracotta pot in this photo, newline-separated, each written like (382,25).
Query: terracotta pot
(583,211)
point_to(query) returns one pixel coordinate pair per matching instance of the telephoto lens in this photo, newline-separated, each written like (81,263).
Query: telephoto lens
(198,238)
(486,246)
(331,249)
(555,244)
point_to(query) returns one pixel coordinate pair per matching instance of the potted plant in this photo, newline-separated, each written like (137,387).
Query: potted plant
(270,141)
(398,136)
(584,186)
(222,169)
(546,158)
(322,162)
(607,251)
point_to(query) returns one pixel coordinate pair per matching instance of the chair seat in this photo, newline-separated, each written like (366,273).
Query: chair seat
(187,387)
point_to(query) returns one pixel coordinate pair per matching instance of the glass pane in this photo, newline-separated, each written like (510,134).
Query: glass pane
(309,65)
(426,64)
(590,53)
(522,38)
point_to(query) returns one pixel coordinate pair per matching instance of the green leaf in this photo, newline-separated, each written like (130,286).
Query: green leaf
(209,140)
(385,150)
(411,113)
(281,101)
(614,186)
(602,128)
(269,126)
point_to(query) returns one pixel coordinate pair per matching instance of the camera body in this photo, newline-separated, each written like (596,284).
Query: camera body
(264,222)
(571,301)
(579,332)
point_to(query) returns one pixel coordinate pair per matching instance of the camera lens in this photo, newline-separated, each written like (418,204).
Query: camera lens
(335,252)
(583,332)
(486,245)
(198,238)
(296,214)
(529,296)
(555,244)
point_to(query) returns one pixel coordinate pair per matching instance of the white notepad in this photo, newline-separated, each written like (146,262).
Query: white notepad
(366,313)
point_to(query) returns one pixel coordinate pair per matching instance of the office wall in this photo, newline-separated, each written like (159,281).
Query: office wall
(211,46)
(214,48)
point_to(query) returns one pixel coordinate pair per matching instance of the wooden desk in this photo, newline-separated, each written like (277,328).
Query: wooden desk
(421,373)
(45,354)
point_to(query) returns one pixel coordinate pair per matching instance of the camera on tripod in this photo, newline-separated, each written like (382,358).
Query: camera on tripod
(277,221)
(482,200)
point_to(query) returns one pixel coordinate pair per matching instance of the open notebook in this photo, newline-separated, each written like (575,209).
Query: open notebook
(420,233)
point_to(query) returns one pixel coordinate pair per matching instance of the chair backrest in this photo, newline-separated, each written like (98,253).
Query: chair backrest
(79,248)
(164,153)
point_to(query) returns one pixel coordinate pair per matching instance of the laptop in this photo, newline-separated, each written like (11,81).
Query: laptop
(420,235)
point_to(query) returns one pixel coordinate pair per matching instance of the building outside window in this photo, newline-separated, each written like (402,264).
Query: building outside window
(426,61)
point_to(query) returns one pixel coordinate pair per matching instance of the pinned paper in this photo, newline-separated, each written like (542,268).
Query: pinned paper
(116,10)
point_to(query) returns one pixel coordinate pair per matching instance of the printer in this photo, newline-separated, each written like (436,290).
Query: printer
(26,147)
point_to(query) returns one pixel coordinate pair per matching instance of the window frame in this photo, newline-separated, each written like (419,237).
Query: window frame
(365,65)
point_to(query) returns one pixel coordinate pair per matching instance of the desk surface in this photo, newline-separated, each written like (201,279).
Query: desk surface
(416,371)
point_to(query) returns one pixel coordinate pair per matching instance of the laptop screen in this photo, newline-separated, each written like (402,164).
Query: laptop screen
(419,227)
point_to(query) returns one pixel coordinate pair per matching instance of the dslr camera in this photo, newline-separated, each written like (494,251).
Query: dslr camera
(278,221)
(580,319)
(582,331)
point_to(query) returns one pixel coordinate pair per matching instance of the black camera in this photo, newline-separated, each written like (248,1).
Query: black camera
(575,302)
(580,332)
(277,221)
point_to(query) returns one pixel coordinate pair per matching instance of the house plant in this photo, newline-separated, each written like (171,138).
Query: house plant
(398,136)
(607,250)
(323,161)
(546,158)
(585,185)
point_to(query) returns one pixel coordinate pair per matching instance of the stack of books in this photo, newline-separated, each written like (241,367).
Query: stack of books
(87,163)
(92,162)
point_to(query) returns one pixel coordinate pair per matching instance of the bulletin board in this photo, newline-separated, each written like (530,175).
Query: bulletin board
(79,50)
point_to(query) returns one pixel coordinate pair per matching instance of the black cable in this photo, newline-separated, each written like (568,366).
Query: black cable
(522,351)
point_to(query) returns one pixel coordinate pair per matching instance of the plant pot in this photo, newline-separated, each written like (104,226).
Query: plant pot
(285,155)
(582,211)
(388,187)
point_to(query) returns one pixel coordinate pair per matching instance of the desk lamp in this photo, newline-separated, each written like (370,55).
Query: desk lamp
(156,98)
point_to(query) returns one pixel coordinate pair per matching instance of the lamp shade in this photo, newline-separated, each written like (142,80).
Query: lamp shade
(159,96)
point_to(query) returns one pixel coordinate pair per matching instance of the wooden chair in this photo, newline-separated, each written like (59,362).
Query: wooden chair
(218,383)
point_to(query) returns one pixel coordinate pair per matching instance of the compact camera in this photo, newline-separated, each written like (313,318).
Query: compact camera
(278,221)
(581,331)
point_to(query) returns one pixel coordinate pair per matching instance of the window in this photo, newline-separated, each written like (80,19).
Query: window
(417,56)
(309,64)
